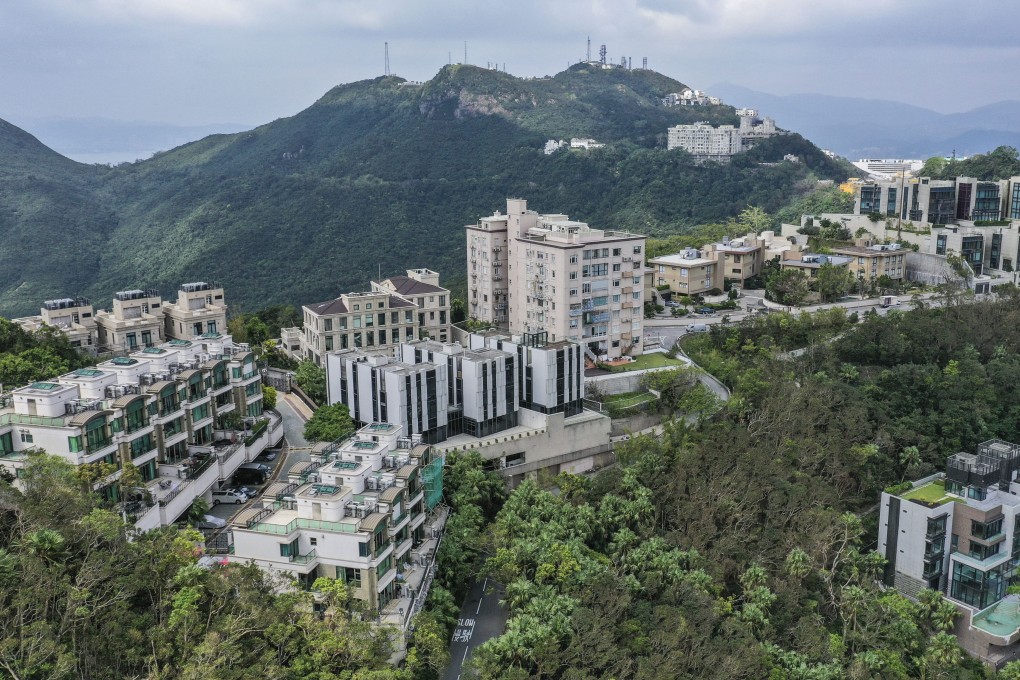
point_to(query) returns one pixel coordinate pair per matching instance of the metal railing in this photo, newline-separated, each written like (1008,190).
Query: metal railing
(303,559)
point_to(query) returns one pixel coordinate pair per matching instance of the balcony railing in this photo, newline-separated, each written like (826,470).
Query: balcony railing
(303,559)
(24,419)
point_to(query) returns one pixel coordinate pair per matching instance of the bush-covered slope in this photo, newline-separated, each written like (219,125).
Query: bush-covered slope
(379,174)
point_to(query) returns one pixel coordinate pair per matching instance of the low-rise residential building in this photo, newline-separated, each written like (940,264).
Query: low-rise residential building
(870,262)
(134,321)
(175,412)
(199,309)
(74,317)
(421,286)
(364,511)
(959,533)
(810,263)
(376,320)
(718,265)
(686,273)
(931,201)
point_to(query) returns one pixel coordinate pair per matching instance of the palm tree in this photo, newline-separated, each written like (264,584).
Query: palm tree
(943,615)
(46,544)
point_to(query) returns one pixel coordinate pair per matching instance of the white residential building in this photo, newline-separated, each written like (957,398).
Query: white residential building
(959,533)
(134,321)
(517,400)
(358,512)
(166,410)
(705,142)
(199,309)
(562,278)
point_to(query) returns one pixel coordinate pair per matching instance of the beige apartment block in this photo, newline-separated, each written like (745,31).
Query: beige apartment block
(74,317)
(487,262)
(686,273)
(421,286)
(371,321)
(134,322)
(564,279)
(200,309)
(868,263)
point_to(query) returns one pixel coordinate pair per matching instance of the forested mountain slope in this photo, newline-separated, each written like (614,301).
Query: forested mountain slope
(379,174)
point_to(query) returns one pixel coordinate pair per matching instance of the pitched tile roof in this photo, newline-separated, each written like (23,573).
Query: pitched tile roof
(405,285)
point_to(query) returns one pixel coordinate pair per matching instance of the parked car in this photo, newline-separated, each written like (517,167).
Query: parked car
(673,303)
(211,522)
(706,310)
(268,455)
(228,496)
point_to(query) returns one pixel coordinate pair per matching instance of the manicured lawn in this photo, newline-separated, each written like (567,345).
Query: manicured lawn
(653,360)
(929,493)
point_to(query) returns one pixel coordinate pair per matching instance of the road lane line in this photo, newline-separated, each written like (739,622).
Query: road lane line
(467,649)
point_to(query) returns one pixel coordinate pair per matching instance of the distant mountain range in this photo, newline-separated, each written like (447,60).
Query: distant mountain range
(875,128)
(101,140)
(376,176)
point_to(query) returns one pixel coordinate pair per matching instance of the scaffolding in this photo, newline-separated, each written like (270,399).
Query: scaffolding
(432,477)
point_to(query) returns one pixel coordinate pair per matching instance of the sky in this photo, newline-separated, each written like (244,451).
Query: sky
(200,62)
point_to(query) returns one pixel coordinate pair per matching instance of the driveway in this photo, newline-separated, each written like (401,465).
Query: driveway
(481,619)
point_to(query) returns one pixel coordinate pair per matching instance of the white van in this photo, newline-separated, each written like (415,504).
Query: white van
(228,496)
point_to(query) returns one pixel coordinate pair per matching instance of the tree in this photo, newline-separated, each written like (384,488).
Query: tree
(833,282)
(754,219)
(329,423)
(933,167)
(788,287)
(269,396)
(312,380)
(256,330)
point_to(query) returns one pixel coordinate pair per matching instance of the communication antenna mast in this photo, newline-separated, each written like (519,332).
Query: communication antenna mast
(386,67)
(602,55)
(644,62)
(465,51)
(588,57)
(630,63)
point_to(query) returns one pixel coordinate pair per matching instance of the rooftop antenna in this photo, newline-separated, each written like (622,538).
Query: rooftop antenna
(602,55)
(386,67)
(588,57)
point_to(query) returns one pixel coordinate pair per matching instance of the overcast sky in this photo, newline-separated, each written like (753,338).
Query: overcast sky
(251,61)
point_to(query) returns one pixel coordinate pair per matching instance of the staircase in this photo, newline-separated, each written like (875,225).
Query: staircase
(590,354)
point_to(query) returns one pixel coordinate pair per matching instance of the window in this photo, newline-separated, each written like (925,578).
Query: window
(313,541)
(327,325)
(329,343)
(289,549)
(985,530)
(637,250)
(196,328)
(573,276)
(147,338)
(26,437)
(357,308)
(616,252)
(368,305)
(573,258)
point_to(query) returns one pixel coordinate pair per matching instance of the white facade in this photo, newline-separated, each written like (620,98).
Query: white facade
(704,141)
(165,410)
(441,390)
(357,513)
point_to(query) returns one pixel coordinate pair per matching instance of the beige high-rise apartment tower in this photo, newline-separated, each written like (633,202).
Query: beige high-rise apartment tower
(548,274)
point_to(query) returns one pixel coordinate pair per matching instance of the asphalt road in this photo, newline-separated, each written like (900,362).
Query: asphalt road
(481,618)
(293,422)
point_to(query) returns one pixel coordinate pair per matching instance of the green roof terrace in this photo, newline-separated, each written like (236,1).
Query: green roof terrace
(932,494)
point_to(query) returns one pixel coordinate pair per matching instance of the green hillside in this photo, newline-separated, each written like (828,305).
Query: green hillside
(379,174)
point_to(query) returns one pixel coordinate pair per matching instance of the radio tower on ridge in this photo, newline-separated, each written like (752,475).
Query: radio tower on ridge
(386,58)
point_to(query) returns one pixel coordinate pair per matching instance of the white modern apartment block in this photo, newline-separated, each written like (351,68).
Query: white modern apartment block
(376,320)
(562,278)
(359,512)
(516,399)
(199,310)
(705,142)
(134,321)
(166,410)
(74,317)
(959,533)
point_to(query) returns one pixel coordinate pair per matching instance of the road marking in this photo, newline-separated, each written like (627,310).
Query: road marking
(464,658)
